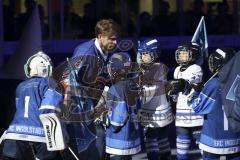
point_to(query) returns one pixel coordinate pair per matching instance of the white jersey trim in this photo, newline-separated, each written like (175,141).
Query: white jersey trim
(50,107)
(188,122)
(230,150)
(25,137)
(156,118)
(155,123)
(123,151)
(116,124)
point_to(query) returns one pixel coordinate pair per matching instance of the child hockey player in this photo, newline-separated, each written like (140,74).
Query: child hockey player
(188,123)
(217,140)
(36,98)
(123,131)
(156,112)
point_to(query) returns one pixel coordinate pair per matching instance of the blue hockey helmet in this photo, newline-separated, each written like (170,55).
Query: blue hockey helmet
(119,65)
(148,51)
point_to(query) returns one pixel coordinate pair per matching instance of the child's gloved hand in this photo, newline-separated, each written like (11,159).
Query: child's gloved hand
(177,85)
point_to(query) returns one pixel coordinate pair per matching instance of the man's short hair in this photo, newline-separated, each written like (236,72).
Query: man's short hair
(107,27)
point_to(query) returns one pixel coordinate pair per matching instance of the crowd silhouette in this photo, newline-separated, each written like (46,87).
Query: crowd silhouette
(135,23)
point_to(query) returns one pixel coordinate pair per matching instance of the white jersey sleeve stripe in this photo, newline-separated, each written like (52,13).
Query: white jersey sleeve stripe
(50,107)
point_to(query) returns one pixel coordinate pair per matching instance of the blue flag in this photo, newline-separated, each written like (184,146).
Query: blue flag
(229,77)
(200,37)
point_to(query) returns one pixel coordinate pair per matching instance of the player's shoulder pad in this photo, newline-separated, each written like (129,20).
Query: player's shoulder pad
(176,71)
(194,68)
(84,48)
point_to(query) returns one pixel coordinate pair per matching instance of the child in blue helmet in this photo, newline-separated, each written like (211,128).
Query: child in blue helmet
(123,130)
(156,112)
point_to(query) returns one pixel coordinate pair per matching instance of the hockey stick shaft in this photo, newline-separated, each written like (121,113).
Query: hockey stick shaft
(3,136)
(74,155)
(33,152)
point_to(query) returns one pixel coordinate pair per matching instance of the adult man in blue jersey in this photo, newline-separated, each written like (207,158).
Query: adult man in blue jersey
(87,137)
(217,141)
(95,53)
(35,98)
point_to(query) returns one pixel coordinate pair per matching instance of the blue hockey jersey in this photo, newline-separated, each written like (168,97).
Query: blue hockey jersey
(123,132)
(215,137)
(89,67)
(90,74)
(92,61)
(33,97)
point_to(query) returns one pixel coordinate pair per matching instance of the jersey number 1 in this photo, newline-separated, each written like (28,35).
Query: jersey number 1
(26,106)
(225,120)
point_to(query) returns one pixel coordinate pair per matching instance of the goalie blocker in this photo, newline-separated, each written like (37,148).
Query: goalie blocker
(53,132)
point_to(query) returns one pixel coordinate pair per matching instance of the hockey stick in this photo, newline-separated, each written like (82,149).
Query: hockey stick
(33,151)
(74,155)
(3,136)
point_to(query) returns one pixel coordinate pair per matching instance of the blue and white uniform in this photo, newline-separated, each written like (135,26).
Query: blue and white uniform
(92,64)
(185,115)
(216,138)
(156,112)
(87,137)
(123,131)
(33,97)
(188,123)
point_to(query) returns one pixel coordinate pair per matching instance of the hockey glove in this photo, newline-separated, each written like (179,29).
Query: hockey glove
(177,85)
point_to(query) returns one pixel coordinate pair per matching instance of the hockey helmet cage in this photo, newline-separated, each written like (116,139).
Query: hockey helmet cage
(187,53)
(148,51)
(219,58)
(119,65)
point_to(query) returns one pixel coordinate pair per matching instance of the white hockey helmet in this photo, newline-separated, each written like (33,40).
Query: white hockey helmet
(38,65)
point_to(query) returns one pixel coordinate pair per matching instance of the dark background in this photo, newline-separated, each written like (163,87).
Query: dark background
(67,23)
